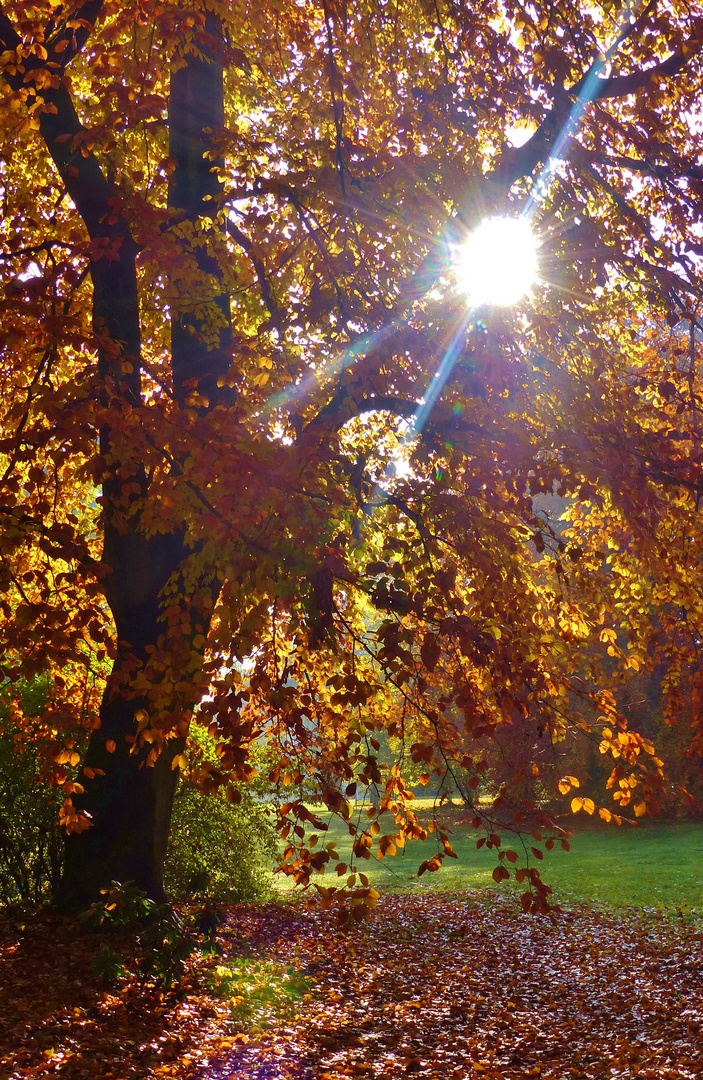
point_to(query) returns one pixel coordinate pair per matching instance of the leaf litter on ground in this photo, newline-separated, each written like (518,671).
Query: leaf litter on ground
(441,985)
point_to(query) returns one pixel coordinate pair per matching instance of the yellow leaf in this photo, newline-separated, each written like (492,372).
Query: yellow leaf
(179,762)
(589,805)
(576,805)
(640,809)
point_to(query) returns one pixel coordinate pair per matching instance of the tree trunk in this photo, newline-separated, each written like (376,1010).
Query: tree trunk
(130,805)
(196,111)
(129,801)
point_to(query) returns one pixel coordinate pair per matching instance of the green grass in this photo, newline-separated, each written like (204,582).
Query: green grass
(658,865)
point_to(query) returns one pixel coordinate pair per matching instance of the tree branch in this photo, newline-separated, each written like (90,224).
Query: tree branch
(342,407)
(113,251)
(337,106)
(247,246)
(76,36)
(522,162)
(649,168)
(622,85)
(82,22)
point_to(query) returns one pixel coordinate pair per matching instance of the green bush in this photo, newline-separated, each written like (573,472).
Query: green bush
(31,846)
(216,849)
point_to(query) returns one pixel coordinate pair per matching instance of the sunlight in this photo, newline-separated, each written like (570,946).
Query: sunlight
(403,468)
(497,263)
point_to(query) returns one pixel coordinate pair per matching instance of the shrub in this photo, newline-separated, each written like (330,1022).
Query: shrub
(31,847)
(216,849)
(164,941)
(107,966)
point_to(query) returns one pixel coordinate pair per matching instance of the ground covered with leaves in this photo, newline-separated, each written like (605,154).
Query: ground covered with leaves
(440,985)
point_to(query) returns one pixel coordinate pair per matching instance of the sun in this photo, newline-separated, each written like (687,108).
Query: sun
(497,263)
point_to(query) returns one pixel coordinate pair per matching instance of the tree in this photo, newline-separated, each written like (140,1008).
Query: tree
(228,277)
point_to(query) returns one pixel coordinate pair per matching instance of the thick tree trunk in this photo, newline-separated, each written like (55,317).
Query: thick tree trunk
(129,801)
(130,805)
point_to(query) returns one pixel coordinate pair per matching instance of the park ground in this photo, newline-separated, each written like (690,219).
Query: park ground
(449,981)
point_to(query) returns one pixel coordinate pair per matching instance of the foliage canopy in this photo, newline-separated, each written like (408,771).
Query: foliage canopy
(227,278)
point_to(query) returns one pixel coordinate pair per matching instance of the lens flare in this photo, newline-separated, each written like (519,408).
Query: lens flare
(497,263)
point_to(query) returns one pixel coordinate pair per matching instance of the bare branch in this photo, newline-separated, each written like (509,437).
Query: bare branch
(342,407)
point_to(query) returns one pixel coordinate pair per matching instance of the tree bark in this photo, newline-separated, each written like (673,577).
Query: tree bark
(130,801)
(196,112)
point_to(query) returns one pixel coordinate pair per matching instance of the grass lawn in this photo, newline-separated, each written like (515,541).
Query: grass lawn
(658,865)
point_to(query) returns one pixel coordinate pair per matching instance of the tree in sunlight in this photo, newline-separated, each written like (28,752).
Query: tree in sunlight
(265,453)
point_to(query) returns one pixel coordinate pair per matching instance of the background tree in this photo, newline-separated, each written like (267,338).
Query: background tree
(228,277)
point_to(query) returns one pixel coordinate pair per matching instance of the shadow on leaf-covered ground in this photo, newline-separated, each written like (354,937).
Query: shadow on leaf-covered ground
(440,985)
